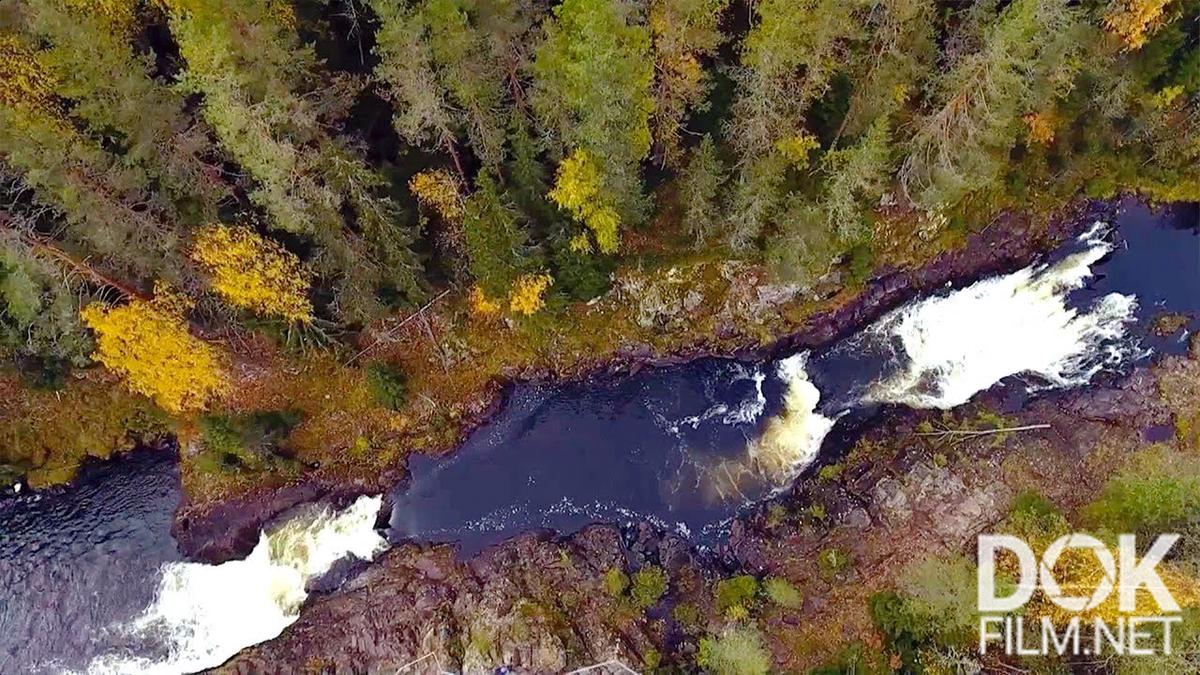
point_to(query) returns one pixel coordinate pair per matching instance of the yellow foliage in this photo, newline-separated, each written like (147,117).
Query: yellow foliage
(1041,127)
(1167,96)
(528,294)
(117,15)
(282,11)
(253,273)
(737,613)
(796,148)
(1078,573)
(578,189)
(23,80)
(147,343)
(481,305)
(1135,20)
(580,243)
(437,189)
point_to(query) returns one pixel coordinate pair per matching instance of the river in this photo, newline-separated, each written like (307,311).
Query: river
(93,581)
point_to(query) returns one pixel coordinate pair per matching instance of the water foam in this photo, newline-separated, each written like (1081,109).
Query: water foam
(790,441)
(207,613)
(965,342)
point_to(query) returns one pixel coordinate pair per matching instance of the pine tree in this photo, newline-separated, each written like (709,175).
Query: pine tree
(592,94)
(91,58)
(264,96)
(961,145)
(449,65)
(700,189)
(496,243)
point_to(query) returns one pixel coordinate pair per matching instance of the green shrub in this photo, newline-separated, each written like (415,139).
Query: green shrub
(1035,520)
(830,472)
(688,616)
(388,385)
(783,593)
(615,582)
(860,262)
(740,651)
(649,584)
(904,631)
(856,659)
(738,591)
(241,440)
(580,276)
(934,607)
(1159,491)
(941,594)
(833,561)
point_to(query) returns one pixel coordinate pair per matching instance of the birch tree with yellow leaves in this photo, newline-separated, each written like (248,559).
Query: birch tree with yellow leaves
(147,343)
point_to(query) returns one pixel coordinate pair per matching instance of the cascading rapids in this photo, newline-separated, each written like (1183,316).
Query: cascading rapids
(965,342)
(954,347)
(790,441)
(207,613)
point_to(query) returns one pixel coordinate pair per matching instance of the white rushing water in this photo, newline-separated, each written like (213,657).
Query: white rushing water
(960,344)
(792,439)
(207,613)
(967,341)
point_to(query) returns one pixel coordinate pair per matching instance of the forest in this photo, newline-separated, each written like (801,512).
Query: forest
(187,183)
(293,243)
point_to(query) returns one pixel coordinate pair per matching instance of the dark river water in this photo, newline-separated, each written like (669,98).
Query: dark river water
(91,570)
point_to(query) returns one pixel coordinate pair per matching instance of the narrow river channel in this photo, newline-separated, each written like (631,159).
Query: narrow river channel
(93,581)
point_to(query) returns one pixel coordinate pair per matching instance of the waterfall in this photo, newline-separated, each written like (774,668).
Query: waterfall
(960,344)
(789,442)
(953,347)
(204,614)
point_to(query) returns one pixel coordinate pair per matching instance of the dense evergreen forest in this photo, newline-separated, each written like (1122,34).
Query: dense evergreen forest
(178,174)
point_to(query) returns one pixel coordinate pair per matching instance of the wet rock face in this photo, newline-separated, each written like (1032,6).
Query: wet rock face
(534,604)
(229,530)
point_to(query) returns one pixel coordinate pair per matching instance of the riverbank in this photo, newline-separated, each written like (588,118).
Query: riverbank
(902,495)
(216,527)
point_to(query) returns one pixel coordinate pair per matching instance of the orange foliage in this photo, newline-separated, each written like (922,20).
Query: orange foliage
(1135,20)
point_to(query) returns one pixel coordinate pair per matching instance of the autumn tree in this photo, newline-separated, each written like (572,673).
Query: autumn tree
(147,343)
(580,190)
(592,94)
(1134,20)
(264,96)
(528,295)
(684,33)
(253,273)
